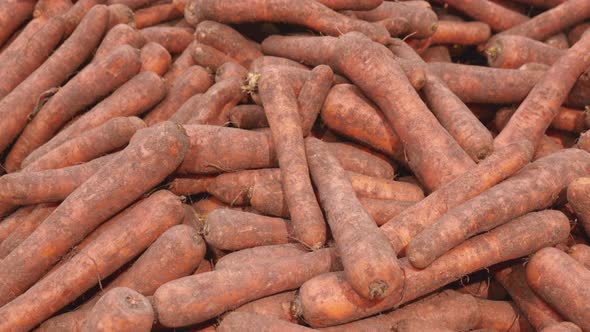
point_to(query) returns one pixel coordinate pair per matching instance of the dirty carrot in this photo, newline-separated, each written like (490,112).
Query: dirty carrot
(119,14)
(496,16)
(186,186)
(276,306)
(382,210)
(156,14)
(209,57)
(154,57)
(246,257)
(25,227)
(119,35)
(461,33)
(251,322)
(174,39)
(248,117)
(514,51)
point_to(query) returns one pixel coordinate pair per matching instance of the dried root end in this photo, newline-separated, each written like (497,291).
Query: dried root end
(297,308)
(377,289)
(251,83)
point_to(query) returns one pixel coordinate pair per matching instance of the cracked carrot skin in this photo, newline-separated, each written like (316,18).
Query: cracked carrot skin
(563,283)
(578,197)
(328,299)
(247,321)
(155,58)
(510,51)
(119,35)
(536,186)
(310,14)
(131,99)
(496,16)
(17,105)
(497,167)
(153,153)
(120,309)
(91,84)
(370,264)
(379,76)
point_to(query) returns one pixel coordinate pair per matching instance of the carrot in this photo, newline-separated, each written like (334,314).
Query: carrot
(121,309)
(560,280)
(436,54)
(119,35)
(379,188)
(276,306)
(14,13)
(328,299)
(204,266)
(186,186)
(268,198)
(552,21)
(81,91)
(501,316)
(351,4)
(377,274)
(133,4)
(266,60)
(96,142)
(182,62)
(542,3)
(247,321)
(562,327)
(155,58)
(16,66)
(193,80)
(54,71)
(195,299)
(567,119)
(491,171)
(577,196)
(347,112)
(156,151)
(411,325)
(174,39)
(150,16)
(246,257)
(449,308)
(535,187)
(461,33)
(100,258)
(381,211)
(312,96)
(280,106)
(558,41)
(25,227)
(49,8)
(231,70)
(308,13)
(228,41)
(209,57)
(536,311)
(119,14)
(574,35)
(497,17)
(362,161)
(235,187)
(514,51)
(9,223)
(421,21)
(248,117)
(581,253)
(366,64)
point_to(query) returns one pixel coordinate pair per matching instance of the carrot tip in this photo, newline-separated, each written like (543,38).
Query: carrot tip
(377,289)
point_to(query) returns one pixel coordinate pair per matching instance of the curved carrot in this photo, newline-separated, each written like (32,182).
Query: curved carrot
(248,117)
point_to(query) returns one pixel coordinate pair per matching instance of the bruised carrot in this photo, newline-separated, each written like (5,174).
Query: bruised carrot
(436,54)
(562,327)
(535,187)
(16,106)
(19,64)
(312,96)
(119,14)
(248,117)
(501,316)
(14,13)
(156,14)
(174,39)
(133,98)
(379,188)
(246,257)
(155,58)
(347,112)
(328,299)
(82,90)
(209,57)
(492,170)
(577,196)
(560,280)
(9,223)
(432,149)
(383,210)
(276,306)
(251,322)
(351,4)
(182,62)
(195,299)
(537,312)
(461,33)
(362,161)
(581,253)
(119,35)
(102,257)
(191,185)
(514,51)
(497,17)
(558,41)
(370,264)
(231,70)
(120,309)
(98,141)
(310,14)
(228,41)
(25,228)
(155,152)
(234,188)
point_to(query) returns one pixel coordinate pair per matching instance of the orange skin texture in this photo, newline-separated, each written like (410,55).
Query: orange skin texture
(133,4)
(577,196)
(119,14)
(581,253)
(25,228)
(174,39)
(351,4)
(155,58)
(234,188)
(14,13)
(182,62)
(436,54)
(121,309)
(496,16)
(246,257)
(186,186)
(501,316)
(150,16)
(381,210)
(231,70)
(248,117)
(209,57)
(11,222)
(236,321)
(120,34)
(514,51)
(461,33)
(277,306)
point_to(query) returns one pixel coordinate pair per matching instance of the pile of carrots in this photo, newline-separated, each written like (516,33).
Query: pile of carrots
(282,165)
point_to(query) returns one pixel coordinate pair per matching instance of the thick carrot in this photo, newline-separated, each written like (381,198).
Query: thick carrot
(277,306)
(461,33)
(13,14)
(91,84)
(209,57)
(347,112)
(436,54)
(492,170)
(9,223)
(50,8)
(433,155)
(514,51)
(379,188)
(542,3)
(133,4)
(251,322)
(351,4)
(370,264)
(231,70)
(552,21)
(16,106)
(562,327)
(133,98)
(577,196)
(381,211)
(248,117)
(109,251)
(415,325)
(150,16)
(308,13)
(362,161)
(193,80)
(558,41)
(235,187)
(227,40)
(501,316)
(119,14)
(246,257)
(581,253)
(281,109)
(497,17)
(180,64)
(535,187)
(562,282)
(186,186)
(92,144)
(121,309)
(195,299)
(328,299)
(25,227)
(449,308)
(152,154)
(574,35)
(174,39)
(24,60)
(155,58)
(536,311)
(119,35)
(267,60)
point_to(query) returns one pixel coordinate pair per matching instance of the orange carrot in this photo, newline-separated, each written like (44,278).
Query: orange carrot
(133,4)
(360,160)
(208,56)
(577,196)
(251,322)
(382,210)
(156,14)
(558,41)
(14,13)
(246,257)
(191,185)
(234,188)
(155,58)
(10,223)
(119,35)
(248,117)
(312,96)
(379,188)
(25,227)
(351,4)
(581,253)
(574,35)
(562,327)
(514,51)
(497,17)
(276,306)
(261,62)
(461,33)
(231,70)
(501,316)
(174,39)
(76,14)
(436,54)
(119,14)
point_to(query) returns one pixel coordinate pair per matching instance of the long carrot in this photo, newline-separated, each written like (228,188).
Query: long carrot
(501,316)
(351,4)
(248,117)
(497,17)
(312,96)
(231,70)
(360,160)
(182,62)
(14,13)
(174,39)
(156,14)
(119,14)
(461,33)
(119,35)
(577,196)
(25,228)
(11,222)
(244,258)
(514,51)
(276,306)
(234,187)
(156,151)
(251,322)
